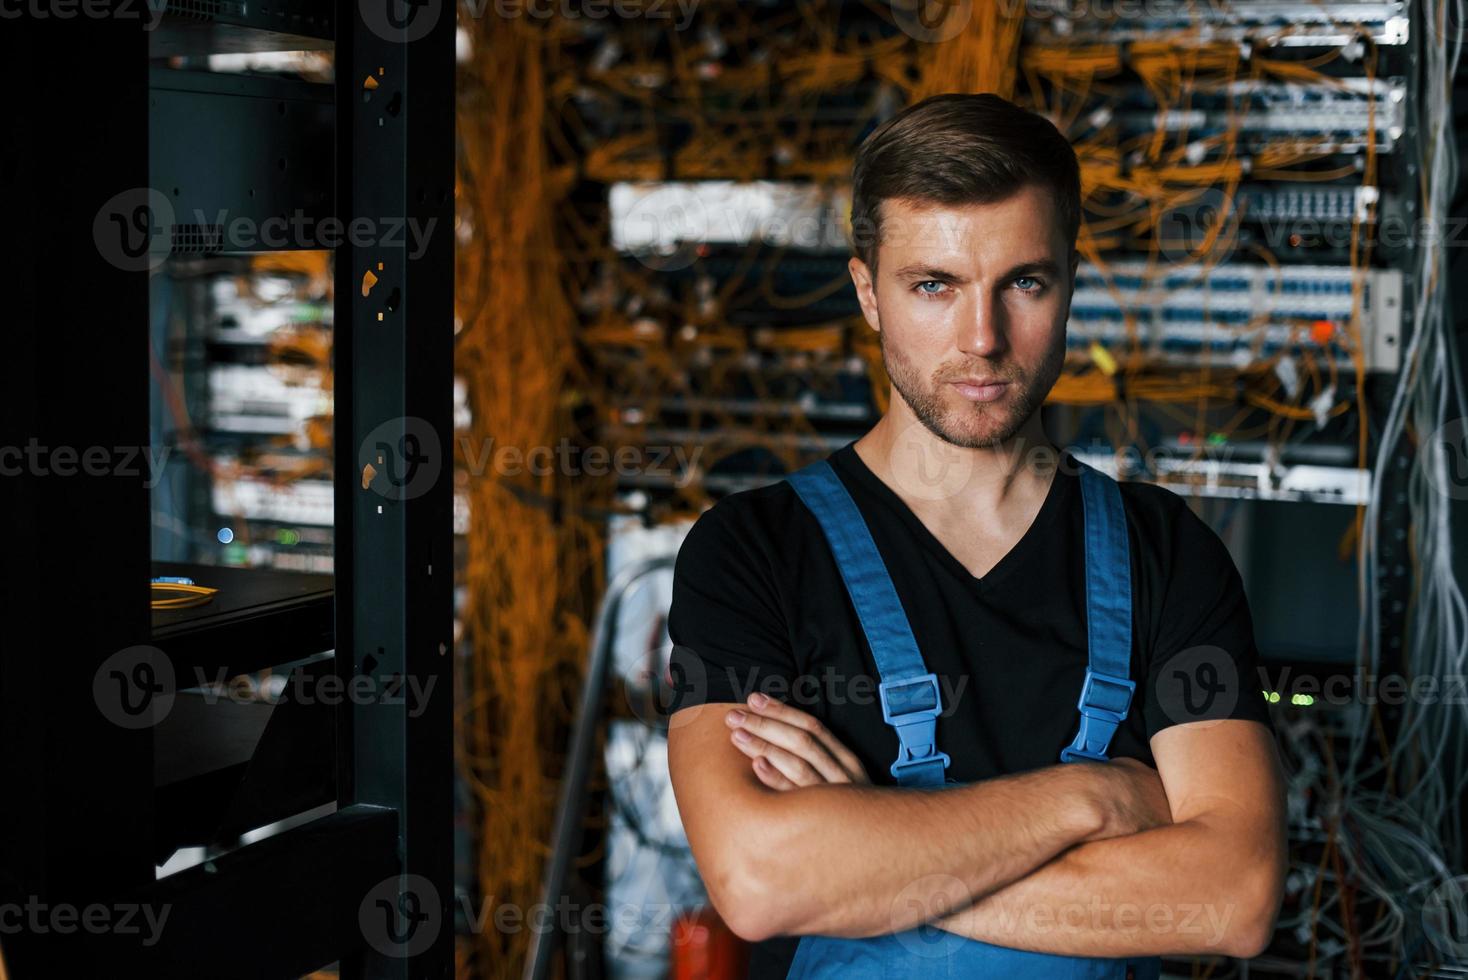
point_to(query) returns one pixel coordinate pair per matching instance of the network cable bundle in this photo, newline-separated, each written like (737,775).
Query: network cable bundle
(1259,315)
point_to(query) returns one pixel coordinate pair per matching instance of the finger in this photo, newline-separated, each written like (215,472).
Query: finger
(767,707)
(796,769)
(796,742)
(791,767)
(771,776)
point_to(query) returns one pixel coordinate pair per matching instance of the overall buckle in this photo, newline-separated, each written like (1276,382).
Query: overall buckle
(1103,704)
(917,728)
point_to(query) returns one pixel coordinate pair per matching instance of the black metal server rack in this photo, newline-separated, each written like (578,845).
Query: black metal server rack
(94,138)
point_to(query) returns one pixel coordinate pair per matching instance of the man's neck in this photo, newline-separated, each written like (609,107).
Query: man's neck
(933,475)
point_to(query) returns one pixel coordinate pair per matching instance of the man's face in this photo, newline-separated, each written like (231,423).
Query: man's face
(977,292)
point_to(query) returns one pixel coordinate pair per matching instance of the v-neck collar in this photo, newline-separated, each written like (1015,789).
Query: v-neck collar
(849,460)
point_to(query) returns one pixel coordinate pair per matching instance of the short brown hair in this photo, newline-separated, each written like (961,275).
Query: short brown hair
(960,149)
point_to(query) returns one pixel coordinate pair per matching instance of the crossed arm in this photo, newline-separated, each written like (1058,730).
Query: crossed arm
(1081,859)
(1209,881)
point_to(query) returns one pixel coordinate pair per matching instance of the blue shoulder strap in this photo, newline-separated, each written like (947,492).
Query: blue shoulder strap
(1106,694)
(908,690)
(910,693)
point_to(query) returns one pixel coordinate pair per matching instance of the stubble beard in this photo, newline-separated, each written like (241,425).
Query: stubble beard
(974,425)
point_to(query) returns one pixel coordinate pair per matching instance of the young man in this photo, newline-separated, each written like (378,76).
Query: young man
(1014,567)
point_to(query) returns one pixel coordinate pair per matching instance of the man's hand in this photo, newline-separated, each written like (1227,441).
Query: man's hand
(1137,801)
(789,748)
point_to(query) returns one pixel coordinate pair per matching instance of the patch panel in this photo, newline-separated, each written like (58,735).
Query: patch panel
(658,216)
(304,502)
(1266,203)
(1253,22)
(1203,476)
(1337,116)
(256,399)
(1237,313)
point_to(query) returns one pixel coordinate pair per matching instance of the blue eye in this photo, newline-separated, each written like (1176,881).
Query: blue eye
(928,292)
(1035,288)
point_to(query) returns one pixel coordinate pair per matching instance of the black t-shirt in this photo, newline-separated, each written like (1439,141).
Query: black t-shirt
(759,604)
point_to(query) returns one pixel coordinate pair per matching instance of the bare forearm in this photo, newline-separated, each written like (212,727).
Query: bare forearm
(849,860)
(1183,888)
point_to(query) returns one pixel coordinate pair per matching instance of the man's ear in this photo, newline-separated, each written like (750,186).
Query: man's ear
(866,292)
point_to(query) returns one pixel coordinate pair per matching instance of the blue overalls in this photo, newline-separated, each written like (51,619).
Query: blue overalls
(911,704)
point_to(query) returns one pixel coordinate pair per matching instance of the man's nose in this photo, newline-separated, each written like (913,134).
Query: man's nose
(981,328)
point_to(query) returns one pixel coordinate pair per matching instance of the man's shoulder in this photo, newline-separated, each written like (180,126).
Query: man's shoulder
(1176,540)
(753,520)
(1158,510)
